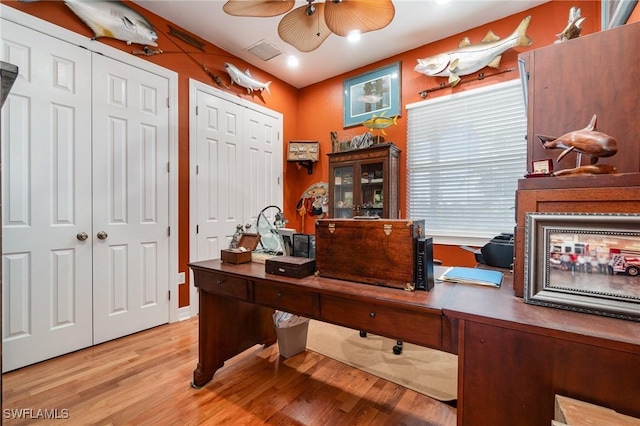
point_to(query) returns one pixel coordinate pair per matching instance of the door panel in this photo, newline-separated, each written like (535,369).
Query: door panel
(131,199)
(264,151)
(46,195)
(220,173)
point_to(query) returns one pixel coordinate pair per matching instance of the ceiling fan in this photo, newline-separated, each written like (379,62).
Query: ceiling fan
(306,27)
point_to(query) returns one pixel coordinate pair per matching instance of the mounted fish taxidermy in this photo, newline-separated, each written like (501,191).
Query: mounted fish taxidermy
(113,19)
(245,80)
(380,122)
(469,58)
(587,141)
(574,26)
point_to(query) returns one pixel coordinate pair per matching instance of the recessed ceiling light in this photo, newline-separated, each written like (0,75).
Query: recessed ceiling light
(354,36)
(293,61)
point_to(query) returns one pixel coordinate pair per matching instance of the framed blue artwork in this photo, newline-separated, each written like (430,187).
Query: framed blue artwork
(375,92)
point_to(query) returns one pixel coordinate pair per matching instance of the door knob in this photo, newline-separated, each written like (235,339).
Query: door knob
(82,236)
(102,235)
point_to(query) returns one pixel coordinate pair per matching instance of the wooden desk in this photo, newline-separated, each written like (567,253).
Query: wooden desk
(513,357)
(237,301)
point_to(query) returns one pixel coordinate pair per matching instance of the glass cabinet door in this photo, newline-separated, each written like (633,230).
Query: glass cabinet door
(364,182)
(371,200)
(343,200)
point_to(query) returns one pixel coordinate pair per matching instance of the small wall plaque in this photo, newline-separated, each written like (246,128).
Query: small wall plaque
(303,151)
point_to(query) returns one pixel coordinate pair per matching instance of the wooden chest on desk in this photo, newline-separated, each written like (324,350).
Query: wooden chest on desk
(372,251)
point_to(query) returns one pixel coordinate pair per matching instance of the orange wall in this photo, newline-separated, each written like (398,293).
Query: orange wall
(635,15)
(313,112)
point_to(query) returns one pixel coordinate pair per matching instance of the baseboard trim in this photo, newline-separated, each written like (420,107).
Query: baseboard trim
(184,313)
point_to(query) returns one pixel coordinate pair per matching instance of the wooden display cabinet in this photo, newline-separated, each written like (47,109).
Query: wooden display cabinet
(364,182)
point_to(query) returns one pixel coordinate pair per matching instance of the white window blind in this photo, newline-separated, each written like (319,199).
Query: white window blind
(465,154)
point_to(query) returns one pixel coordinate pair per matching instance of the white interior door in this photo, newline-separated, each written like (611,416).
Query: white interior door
(62,292)
(46,199)
(220,173)
(236,168)
(130,199)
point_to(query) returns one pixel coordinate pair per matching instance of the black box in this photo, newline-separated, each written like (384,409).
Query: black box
(289,266)
(424,264)
(304,245)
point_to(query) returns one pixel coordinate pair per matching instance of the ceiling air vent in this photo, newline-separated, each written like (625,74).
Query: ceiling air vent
(264,50)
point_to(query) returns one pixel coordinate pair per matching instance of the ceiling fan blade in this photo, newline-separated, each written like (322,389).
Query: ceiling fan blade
(258,8)
(303,31)
(345,16)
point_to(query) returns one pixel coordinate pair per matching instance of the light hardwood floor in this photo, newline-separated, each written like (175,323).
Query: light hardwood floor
(144,379)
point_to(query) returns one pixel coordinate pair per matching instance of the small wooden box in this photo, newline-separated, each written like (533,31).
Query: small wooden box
(289,266)
(376,251)
(248,242)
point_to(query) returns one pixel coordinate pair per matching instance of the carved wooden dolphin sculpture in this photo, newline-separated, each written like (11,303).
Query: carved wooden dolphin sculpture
(586,141)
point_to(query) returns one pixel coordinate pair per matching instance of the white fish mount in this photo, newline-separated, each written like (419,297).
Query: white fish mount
(245,80)
(470,58)
(113,19)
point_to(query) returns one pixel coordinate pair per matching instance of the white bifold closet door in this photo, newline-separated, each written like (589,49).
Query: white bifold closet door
(84,199)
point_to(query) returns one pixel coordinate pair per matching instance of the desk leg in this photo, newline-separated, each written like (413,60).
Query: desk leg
(226,327)
(209,359)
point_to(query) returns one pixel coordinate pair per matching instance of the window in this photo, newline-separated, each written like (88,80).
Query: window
(465,154)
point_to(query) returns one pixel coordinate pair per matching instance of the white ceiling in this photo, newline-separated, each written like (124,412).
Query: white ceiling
(416,23)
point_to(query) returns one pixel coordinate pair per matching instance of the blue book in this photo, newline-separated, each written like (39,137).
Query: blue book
(459,274)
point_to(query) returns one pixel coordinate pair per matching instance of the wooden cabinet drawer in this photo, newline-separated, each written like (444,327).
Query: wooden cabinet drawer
(223,285)
(287,299)
(422,328)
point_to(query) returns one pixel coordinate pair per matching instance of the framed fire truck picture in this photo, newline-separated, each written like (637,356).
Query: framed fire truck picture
(584,262)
